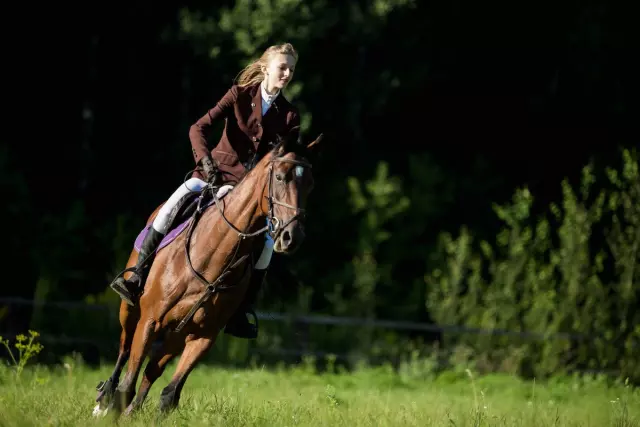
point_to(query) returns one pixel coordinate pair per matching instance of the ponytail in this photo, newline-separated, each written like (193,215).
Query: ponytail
(252,73)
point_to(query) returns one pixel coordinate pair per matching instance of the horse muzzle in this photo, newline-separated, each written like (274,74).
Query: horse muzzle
(290,238)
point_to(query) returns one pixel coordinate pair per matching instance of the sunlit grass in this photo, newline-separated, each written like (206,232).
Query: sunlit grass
(286,397)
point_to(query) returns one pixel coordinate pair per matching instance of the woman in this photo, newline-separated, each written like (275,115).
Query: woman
(254,111)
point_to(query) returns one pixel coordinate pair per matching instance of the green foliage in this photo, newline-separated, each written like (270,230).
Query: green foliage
(376,202)
(541,283)
(27,349)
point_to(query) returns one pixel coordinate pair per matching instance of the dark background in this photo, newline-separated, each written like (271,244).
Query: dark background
(480,97)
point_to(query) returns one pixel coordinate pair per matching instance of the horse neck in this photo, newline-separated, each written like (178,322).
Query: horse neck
(242,207)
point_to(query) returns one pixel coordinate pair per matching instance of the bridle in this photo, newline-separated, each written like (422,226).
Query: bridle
(274,225)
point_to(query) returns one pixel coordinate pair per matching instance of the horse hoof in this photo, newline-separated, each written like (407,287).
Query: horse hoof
(98,412)
(167,401)
(129,411)
(105,390)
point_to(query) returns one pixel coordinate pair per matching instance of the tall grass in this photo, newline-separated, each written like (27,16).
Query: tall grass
(63,396)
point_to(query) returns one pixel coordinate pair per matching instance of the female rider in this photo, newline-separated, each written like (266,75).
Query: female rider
(255,111)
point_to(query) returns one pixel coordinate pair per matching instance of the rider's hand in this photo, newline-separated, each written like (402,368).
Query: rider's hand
(210,169)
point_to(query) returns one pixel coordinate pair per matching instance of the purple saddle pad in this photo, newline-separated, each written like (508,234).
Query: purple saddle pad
(171,235)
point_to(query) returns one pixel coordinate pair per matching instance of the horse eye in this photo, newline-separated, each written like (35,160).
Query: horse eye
(279,177)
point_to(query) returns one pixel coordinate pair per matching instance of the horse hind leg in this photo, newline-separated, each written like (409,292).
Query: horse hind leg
(142,340)
(169,349)
(129,317)
(193,352)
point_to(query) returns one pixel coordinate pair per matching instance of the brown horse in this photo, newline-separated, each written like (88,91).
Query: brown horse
(188,299)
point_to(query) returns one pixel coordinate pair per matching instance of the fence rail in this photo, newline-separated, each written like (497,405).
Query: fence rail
(298,340)
(317,319)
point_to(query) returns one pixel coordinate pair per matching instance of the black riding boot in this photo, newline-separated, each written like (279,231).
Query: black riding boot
(239,325)
(130,289)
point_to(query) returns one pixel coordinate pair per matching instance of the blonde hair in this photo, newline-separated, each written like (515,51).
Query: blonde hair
(252,73)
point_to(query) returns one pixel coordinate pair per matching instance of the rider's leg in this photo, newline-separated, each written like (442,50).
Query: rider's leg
(128,289)
(239,325)
(161,221)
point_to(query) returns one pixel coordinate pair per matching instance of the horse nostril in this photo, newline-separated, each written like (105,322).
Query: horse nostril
(286,238)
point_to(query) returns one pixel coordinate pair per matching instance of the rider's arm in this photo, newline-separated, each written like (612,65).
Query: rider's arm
(199,131)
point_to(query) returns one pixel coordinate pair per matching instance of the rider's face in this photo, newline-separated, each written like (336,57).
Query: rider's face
(279,71)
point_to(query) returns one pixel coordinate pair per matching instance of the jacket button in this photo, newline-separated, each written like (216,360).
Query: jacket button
(254,139)
(253,104)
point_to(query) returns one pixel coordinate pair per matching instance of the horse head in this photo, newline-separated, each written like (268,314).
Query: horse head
(289,183)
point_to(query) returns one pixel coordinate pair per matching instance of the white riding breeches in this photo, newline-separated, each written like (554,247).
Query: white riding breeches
(195,185)
(192,185)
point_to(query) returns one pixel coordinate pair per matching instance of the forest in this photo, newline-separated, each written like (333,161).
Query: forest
(479,169)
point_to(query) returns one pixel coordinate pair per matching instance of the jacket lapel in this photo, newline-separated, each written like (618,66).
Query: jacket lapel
(277,107)
(274,110)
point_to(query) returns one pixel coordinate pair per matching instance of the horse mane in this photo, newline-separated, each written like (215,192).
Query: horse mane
(289,146)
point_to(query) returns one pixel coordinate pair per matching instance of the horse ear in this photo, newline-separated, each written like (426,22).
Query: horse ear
(281,145)
(312,146)
(286,144)
(295,136)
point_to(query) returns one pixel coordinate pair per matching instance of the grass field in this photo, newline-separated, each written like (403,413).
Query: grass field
(64,396)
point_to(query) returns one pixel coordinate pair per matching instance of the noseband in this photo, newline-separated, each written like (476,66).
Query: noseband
(274,225)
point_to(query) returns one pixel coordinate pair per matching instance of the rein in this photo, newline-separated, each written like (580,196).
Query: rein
(274,227)
(274,224)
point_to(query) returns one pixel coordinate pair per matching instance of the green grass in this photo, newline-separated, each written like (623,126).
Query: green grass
(215,396)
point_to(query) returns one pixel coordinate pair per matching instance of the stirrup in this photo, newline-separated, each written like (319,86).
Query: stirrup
(121,289)
(119,285)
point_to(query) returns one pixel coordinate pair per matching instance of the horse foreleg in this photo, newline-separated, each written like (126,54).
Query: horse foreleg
(128,320)
(193,352)
(142,340)
(155,367)
(107,389)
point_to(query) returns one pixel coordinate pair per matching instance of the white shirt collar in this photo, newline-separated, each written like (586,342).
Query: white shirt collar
(268,99)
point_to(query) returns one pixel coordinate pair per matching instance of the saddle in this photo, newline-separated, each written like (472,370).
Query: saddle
(180,217)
